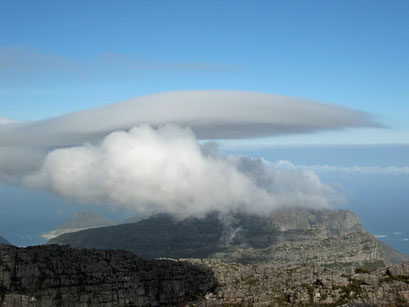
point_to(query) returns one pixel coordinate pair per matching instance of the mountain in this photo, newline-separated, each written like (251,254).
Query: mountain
(287,238)
(80,221)
(158,236)
(4,241)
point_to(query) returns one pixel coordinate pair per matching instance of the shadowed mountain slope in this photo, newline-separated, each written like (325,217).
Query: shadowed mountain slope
(289,237)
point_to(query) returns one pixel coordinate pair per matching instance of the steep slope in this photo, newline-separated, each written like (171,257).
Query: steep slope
(4,241)
(393,255)
(80,221)
(289,237)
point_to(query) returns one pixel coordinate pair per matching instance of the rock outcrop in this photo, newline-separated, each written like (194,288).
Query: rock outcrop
(62,276)
(289,237)
(342,252)
(306,285)
(80,221)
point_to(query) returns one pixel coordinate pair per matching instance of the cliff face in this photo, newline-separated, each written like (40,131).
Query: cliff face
(61,276)
(288,237)
(334,221)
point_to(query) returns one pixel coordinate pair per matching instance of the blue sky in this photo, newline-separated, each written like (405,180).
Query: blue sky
(62,56)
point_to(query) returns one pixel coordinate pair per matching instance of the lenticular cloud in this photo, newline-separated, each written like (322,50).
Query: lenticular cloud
(209,114)
(165,170)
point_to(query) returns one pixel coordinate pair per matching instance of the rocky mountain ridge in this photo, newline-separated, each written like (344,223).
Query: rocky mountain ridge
(335,222)
(289,237)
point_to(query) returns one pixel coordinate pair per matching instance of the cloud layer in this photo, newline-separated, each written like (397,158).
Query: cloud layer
(166,170)
(211,114)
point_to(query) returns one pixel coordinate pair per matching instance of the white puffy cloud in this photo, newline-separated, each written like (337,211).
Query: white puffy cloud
(166,170)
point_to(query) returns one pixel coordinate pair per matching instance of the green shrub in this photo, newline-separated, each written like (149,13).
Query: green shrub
(361,270)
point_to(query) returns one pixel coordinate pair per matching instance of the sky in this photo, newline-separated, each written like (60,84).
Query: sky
(59,57)
(305,75)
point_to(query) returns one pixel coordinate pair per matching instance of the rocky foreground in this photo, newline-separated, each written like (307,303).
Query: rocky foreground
(306,285)
(62,276)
